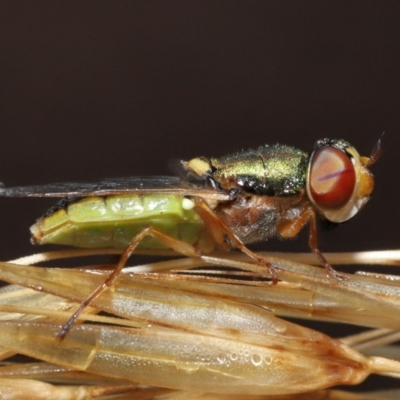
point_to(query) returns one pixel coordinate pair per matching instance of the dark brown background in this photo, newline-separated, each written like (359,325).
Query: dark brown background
(93,89)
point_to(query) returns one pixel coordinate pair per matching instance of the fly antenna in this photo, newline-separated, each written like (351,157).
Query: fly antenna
(376,152)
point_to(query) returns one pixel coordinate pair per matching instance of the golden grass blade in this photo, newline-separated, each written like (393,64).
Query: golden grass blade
(218,338)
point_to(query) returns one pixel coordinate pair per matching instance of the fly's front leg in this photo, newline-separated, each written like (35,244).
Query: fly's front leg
(220,232)
(175,244)
(313,243)
(290,229)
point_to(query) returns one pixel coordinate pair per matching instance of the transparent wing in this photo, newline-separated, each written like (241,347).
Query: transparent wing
(106,187)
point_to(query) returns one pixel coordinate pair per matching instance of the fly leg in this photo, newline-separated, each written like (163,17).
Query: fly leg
(313,243)
(220,232)
(175,244)
(290,229)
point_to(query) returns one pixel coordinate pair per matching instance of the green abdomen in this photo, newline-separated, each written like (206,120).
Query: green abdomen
(113,221)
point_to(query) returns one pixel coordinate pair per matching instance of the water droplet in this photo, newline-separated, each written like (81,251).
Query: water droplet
(256,359)
(268,360)
(280,327)
(233,356)
(221,358)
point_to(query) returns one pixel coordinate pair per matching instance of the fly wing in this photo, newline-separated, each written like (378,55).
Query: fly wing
(106,187)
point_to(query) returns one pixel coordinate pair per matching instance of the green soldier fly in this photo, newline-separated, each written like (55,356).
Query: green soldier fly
(227,202)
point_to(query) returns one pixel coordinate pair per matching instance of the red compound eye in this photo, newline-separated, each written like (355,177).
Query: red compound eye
(332,178)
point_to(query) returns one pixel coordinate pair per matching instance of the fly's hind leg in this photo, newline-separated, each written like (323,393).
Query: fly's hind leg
(292,228)
(220,232)
(175,244)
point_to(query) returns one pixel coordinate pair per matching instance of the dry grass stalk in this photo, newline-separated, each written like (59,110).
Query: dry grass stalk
(193,333)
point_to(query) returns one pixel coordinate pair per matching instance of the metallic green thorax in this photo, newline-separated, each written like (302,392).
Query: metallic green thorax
(276,170)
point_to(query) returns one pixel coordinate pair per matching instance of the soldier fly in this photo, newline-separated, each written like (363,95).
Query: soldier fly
(227,202)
